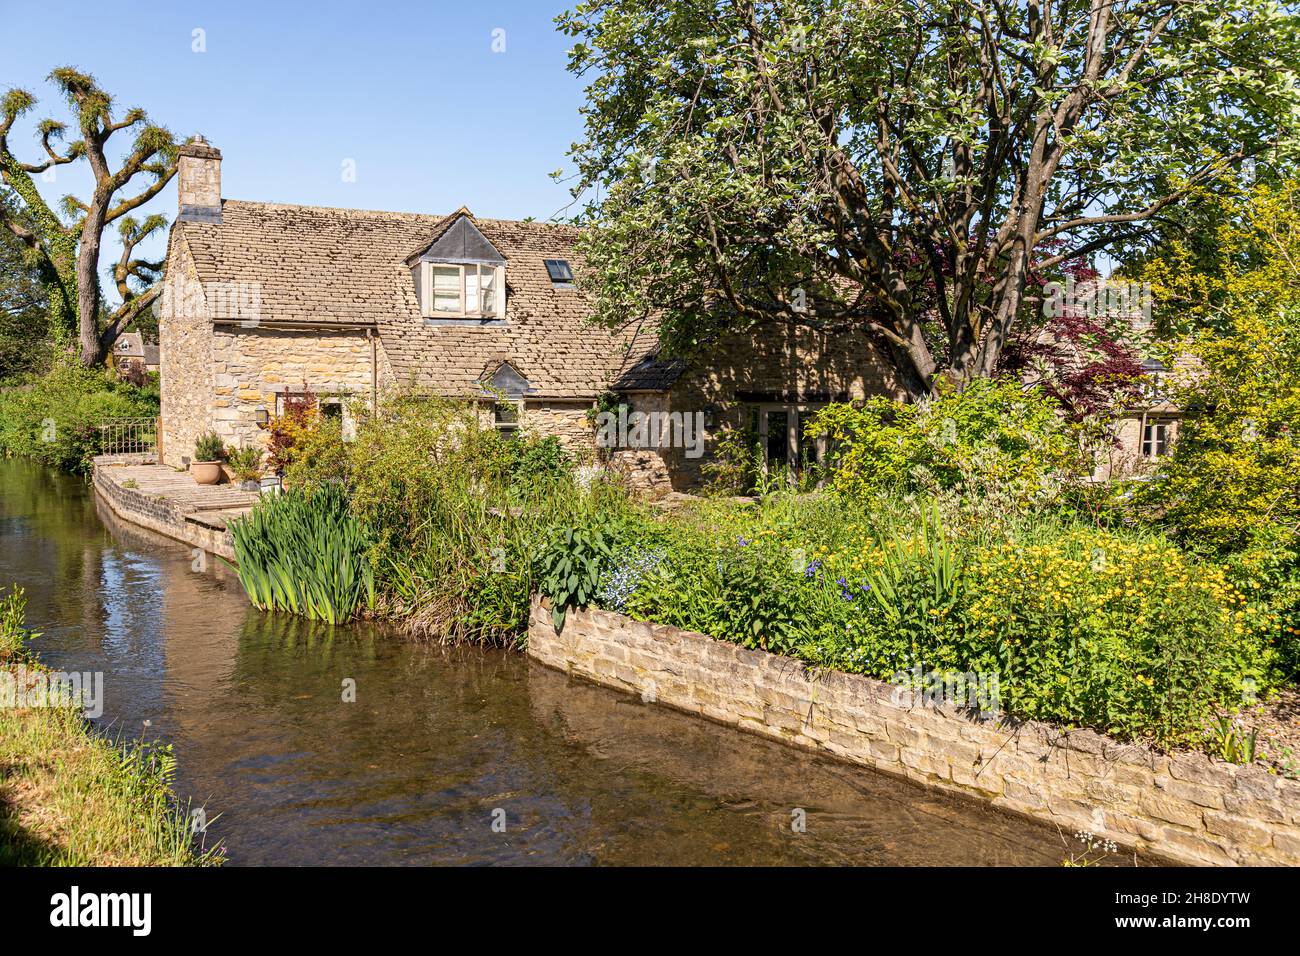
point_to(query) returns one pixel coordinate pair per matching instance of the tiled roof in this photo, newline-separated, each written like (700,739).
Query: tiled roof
(129,345)
(348,267)
(651,373)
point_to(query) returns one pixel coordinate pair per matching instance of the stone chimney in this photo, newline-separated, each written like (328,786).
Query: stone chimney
(198,175)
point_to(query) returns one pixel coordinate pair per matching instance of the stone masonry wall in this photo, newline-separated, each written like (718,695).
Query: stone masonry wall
(251,366)
(158,514)
(199,182)
(647,469)
(1182,806)
(567,421)
(185,360)
(779,363)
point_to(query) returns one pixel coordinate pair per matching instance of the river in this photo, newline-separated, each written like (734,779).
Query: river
(440,744)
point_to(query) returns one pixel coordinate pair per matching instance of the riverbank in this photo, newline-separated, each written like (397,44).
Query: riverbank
(69,797)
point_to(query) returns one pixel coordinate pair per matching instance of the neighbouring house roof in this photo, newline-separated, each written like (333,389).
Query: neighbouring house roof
(131,345)
(348,267)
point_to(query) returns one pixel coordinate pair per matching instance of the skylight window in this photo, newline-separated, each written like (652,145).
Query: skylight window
(559,271)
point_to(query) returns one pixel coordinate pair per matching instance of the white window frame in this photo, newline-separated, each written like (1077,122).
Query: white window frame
(478,270)
(1159,447)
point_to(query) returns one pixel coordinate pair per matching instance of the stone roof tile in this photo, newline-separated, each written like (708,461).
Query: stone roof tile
(348,267)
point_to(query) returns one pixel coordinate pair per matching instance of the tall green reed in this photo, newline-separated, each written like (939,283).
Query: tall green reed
(303,552)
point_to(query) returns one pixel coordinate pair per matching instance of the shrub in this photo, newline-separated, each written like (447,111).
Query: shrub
(303,445)
(1125,634)
(533,460)
(1269,575)
(993,442)
(459,513)
(1115,630)
(305,553)
(317,453)
(1231,482)
(1230,485)
(209,447)
(246,462)
(569,567)
(735,465)
(55,418)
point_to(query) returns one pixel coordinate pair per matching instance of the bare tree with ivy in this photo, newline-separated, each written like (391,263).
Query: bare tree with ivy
(67,244)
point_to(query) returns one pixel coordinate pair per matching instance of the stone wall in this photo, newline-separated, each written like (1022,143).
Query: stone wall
(252,366)
(158,514)
(782,364)
(185,359)
(648,470)
(198,177)
(1183,806)
(567,421)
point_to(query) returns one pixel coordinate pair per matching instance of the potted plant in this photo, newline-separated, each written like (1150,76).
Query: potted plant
(208,452)
(246,463)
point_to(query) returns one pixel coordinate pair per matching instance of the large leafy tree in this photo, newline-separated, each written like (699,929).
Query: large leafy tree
(67,243)
(906,166)
(1232,480)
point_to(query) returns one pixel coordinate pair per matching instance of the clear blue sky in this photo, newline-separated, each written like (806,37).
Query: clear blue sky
(412,92)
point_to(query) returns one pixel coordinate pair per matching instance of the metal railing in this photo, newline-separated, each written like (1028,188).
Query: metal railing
(128,436)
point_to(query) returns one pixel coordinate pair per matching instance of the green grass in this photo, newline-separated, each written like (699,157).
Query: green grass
(69,797)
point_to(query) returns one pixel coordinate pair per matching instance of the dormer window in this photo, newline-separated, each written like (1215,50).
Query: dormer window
(465,290)
(460,275)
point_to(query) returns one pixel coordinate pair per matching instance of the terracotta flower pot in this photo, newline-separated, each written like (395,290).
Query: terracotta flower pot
(205,472)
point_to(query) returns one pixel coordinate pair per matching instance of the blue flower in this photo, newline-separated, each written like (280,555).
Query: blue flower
(813,569)
(630,568)
(743,542)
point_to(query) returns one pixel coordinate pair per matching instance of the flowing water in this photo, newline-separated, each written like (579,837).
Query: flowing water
(439,743)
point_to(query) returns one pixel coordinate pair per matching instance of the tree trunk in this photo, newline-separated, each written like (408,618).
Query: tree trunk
(92,353)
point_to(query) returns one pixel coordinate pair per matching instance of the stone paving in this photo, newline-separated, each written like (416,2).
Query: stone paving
(171,502)
(215,504)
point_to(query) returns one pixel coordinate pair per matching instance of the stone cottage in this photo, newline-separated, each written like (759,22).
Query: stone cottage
(264,300)
(132,351)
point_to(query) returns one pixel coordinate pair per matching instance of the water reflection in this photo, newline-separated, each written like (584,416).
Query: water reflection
(437,739)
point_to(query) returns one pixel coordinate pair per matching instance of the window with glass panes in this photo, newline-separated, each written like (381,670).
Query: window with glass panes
(467,289)
(1155,439)
(782,432)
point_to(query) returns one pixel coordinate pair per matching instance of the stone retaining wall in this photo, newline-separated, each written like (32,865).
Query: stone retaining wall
(163,515)
(1183,807)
